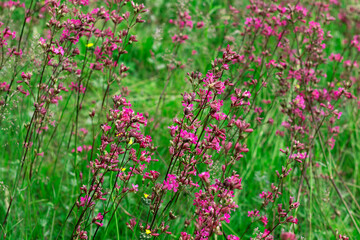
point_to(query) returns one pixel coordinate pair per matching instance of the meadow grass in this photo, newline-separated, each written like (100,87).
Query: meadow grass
(44,201)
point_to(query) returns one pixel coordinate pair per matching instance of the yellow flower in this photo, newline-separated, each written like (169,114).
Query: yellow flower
(89,45)
(146,195)
(147,231)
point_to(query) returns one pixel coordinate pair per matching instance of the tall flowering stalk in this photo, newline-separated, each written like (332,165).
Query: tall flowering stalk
(199,142)
(296,68)
(60,58)
(125,153)
(183,24)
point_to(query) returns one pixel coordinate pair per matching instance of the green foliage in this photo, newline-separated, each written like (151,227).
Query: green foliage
(45,200)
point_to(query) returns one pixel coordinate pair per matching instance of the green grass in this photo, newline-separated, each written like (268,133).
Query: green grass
(43,202)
